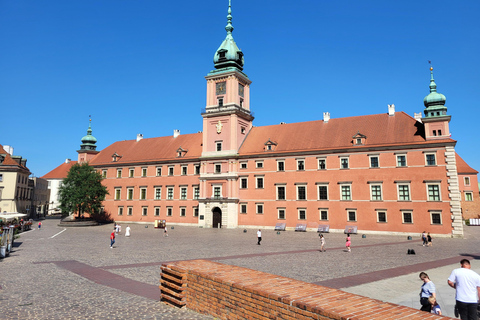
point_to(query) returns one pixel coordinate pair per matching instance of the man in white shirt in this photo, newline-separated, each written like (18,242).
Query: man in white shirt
(467,284)
(259,236)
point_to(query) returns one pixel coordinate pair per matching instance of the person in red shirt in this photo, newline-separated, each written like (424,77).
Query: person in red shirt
(112,238)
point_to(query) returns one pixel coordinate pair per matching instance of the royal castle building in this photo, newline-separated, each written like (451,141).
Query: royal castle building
(387,172)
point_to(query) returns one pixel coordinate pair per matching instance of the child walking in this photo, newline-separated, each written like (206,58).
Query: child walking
(322,243)
(435,307)
(348,243)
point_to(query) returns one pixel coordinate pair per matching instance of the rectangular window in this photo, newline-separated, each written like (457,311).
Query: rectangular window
(280,192)
(243,183)
(119,173)
(197,169)
(183,193)
(352,215)
(374,162)
(195,211)
(302,214)
(324,214)
(104,175)
(407,217)
(169,211)
(196,192)
(129,211)
(430,159)
(322,192)
(468,196)
(184,170)
(436,217)
(433,192)
(158,193)
(183,211)
(130,194)
(243,208)
(243,165)
(217,192)
(376,192)
(144,211)
(343,163)
(322,164)
(466,181)
(346,192)
(259,164)
(281,165)
(281,213)
(403,192)
(170,171)
(381,216)
(259,208)
(144,172)
(218,168)
(131,173)
(259,182)
(301,192)
(143,193)
(300,165)
(157,211)
(159,171)
(170,193)
(120,211)
(401,160)
(218,145)
(118,194)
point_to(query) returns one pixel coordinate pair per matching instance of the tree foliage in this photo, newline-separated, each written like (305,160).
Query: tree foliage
(82,190)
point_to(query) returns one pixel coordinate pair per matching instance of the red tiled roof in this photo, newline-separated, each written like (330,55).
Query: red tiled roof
(60,172)
(380,130)
(463,167)
(151,149)
(8,161)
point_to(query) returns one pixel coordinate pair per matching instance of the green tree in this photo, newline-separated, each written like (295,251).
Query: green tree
(82,190)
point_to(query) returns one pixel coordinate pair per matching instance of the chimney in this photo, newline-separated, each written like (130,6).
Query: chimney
(418,116)
(391,109)
(68,160)
(326,117)
(176,133)
(8,149)
(139,136)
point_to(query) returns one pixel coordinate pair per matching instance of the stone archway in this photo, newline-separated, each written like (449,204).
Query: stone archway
(217,217)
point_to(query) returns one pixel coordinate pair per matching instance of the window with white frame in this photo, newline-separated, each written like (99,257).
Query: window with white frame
(118,192)
(243,165)
(129,211)
(184,170)
(119,173)
(143,193)
(433,192)
(170,171)
(157,211)
(281,165)
(218,145)
(300,164)
(323,191)
(196,192)
(243,183)
(183,193)
(131,172)
(130,194)
(243,208)
(120,211)
(382,216)
(343,163)
(183,212)
(144,211)
(302,192)
(346,192)
(104,175)
(407,216)
(259,182)
(159,171)
(401,160)
(466,181)
(197,169)
(281,213)
(468,196)
(430,159)
(322,164)
(217,192)
(351,215)
(436,217)
(374,163)
(302,214)
(195,211)
(281,192)
(259,164)
(259,208)
(169,211)
(403,192)
(169,193)
(144,172)
(158,193)
(376,192)
(323,214)
(218,168)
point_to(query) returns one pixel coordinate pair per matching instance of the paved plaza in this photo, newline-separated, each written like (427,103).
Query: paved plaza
(71,273)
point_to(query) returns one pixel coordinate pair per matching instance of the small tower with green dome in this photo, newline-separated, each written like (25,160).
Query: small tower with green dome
(436,119)
(88,148)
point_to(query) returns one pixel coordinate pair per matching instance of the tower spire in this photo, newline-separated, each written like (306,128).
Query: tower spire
(229,26)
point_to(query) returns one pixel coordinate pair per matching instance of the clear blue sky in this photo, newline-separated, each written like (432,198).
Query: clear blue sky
(139,66)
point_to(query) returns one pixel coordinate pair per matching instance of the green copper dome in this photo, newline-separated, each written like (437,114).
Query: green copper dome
(434,101)
(228,54)
(88,141)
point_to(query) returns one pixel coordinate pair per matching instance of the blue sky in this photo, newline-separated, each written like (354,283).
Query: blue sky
(139,66)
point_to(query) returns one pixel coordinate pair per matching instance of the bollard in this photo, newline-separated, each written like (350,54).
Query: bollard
(146,226)
(409,238)
(244,230)
(172,227)
(364,236)
(278,232)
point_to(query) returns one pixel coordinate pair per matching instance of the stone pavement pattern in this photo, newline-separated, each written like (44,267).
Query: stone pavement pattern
(75,275)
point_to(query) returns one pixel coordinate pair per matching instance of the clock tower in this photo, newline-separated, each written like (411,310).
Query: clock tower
(226,122)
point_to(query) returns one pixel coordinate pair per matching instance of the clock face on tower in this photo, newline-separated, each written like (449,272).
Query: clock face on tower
(221,87)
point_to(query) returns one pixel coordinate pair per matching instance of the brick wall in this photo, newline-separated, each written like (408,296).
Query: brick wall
(231,292)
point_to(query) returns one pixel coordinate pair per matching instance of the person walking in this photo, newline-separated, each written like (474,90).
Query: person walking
(322,243)
(165,232)
(427,290)
(466,282)
(424,238)
(112,238)
(435,307)
(348,242)
(259,236)
(39,225)
(429,240)
(127,231)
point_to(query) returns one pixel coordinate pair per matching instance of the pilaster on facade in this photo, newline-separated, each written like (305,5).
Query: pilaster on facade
(454,192)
